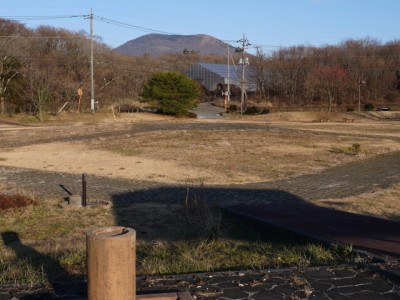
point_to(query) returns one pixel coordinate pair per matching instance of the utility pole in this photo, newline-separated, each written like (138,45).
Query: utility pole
(229,74)
(360,82)
(259,71)
(243,62)
(91,64)
(227,93)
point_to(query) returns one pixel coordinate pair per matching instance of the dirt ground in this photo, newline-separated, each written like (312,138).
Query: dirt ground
(77,158)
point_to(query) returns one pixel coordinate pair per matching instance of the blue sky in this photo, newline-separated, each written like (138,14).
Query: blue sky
(269,23)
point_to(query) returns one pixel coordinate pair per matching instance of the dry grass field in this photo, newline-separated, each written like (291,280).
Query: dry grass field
(215,156)
(286,145)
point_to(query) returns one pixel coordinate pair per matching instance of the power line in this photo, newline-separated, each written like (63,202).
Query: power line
(41,18)
(129,26)
(123,25)
(42,37)
(140,28)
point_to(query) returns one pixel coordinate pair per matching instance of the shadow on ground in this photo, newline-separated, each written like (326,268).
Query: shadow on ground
(49,266)
(155,213)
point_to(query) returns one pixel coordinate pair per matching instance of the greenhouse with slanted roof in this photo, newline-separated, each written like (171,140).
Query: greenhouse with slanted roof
(215,77)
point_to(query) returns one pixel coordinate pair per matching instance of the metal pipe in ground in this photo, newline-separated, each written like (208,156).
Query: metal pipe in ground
(111,257)
(84,202)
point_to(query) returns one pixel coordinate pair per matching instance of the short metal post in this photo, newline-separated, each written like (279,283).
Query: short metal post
(84,190)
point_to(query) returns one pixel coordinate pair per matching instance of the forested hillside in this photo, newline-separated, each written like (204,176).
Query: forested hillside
(43,68)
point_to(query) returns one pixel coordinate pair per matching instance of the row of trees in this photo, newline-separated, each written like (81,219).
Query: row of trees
(42,69)
(331,75)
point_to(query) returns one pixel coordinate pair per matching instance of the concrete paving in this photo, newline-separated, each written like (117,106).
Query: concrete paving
(206,110)
(376,235)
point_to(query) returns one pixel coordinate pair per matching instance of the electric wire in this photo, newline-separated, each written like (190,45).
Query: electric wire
(42,18)
(128,26)
(145,29)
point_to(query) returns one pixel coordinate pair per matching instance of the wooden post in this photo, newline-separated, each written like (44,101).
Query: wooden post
(111,256)
(79,94)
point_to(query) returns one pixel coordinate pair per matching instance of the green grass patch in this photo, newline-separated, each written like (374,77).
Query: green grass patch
(45,242)
(349,150)
(202,255)
(20,271)
(130,152)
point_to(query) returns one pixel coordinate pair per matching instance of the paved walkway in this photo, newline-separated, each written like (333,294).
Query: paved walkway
(206,110)
(312,283)
(372,282)
(375,235)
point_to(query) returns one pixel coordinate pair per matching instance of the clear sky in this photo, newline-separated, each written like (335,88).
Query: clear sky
(269,23)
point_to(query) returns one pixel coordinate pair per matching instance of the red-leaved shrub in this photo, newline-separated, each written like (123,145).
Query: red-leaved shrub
(15,200)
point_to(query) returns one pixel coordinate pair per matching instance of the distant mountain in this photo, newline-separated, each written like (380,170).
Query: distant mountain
(158,44)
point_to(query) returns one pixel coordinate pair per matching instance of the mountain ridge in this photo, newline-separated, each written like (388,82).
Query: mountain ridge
(155,44)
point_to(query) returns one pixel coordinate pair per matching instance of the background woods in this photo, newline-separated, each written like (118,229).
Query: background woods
(42,69)
(331,75)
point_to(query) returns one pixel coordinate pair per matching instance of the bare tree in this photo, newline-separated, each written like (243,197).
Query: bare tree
(11,56)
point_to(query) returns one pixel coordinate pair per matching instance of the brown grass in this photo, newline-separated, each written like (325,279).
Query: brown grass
(246,156)
(380,203)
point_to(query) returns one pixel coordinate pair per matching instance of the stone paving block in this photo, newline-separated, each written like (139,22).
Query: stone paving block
(251,290)
(344,273)
(211,289)
(355,281)
(318,273)
(4,296)
(368,295)
(301,295)
(207,294)
(319,295)
(234,293)
(263,294)
(333,295)
(226,284)
(286,289)
(390,271)
(381,285)
(321,285)
(351,289)
(219,280)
